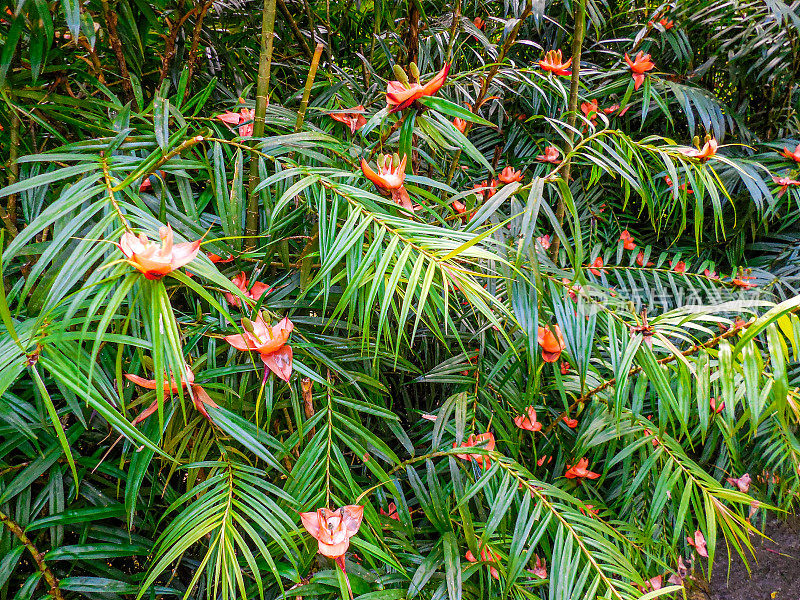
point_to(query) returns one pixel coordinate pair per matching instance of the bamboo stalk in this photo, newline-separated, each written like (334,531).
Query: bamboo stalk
(10,217)
(312,73)
(572,111)
(259,119)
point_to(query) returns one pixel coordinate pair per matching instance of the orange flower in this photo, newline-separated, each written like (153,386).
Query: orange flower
(253,293)
(680,266)
(354,120)
(667,24)
(392,514)
(147,182)
(509,175)
(333,528)
(742,282)
(154,261)
(540,568)
(590,510)
(460,124)
(487,555)
(389,178)
(795,156)
(596,267)
(713,404)
(485,189)
(589,110)
(550,155)
(743,482)
(710,274)
(528,422)
(627,240)
(478,22)
(708,150)
(580,470)
(639,66)
(571,423)
(640,259)
(544,459)
(243,118)
(611,109)
(216,258)
(200,397)
(401,95)
(698,543)
(552,343)
(269,342)
(784,182)
(459,207)
(481,440)
(564,367)
(554,63)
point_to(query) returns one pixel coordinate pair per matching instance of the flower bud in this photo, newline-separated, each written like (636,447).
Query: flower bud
(247,324)
(401,75)
(414,70)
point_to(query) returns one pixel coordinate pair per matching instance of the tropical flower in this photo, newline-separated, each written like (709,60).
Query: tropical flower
(680,266)
(147,182)
(627,240)
(654,583)
(550,155)
(392,513)
(698,542)
(509,175)
(795,156)
(153,260)
(485,189)
(743,482)
(544,459)
(528,422)
(708,150)
(478,22)
(269,342)
(552,343)
(402,94)
(216,258)
(540,568)
(481,440)
(640,259)
(333,528)
(742,282)
(711,274)
(200,397)
(460,124)
(712,402)
(354,120)
(389,178)
(580,470)
(554,63)
(487,555)
(681,572)
(544,241)
(784,182)
(596,267)
(667,24)
(564,367)
(243,118)
(254,293)
(639,66)
(589,110)
(571,423)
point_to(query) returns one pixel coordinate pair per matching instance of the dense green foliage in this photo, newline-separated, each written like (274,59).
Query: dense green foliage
(671,273)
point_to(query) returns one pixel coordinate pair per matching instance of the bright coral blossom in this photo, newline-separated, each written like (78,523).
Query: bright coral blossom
(580,470)
(400,95)
(784,183)
(255,292)
(153,260)
(552,343)
(487,555)
(627,240)
(795,156)
(698,542)
(509,175)
(200,397)
(554,63)
(389,178)
(550,155)
(243,118)
(333,528)
(481,440)
(528,421)
(354,120)
(269,342)
(639,66)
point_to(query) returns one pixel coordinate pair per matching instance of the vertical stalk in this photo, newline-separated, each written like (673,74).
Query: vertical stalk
(10,219)
(312,73)
(259,119)
(110,17)
(572,110)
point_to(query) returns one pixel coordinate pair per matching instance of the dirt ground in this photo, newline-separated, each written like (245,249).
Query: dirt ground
(775,572)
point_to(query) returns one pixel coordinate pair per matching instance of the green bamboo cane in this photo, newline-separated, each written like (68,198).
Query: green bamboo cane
(259,120)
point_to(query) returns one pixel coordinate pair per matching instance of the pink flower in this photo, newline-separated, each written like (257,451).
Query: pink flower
(401,95)
(155,261)
(708,150)
(509,175)
(639,66)
(528,422)
(698,543)
(392,514)
(269,342)
(795,156)
(544,241)
(550,155)
(243,118)
(389,178)
(743,482)
(487,555)
(580,470)
(540,568)
(354,120)
(481,440)
(333,528)
(627,240)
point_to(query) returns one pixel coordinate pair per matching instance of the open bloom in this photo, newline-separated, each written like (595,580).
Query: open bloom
(698,542)
(580,470)
(153,260)
(200,397)
(679,267)
(743,482)
(540,567)
(784,183)
(333,528)
(400,95)
(554,63)
(528,422)
(795,156)
(742,281)
(596,267)
(269,342)
(478,22)
(509,175)
(481,440)
(544,241)
(241,281)
(487,555)
(640,259)
(550,155)
(589,110)
(551,341)
(243,118)
(392,513)
(389,178)
(627,240)
(460,124)
(354,120)
(571,423)
(639,66)
(708,150)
